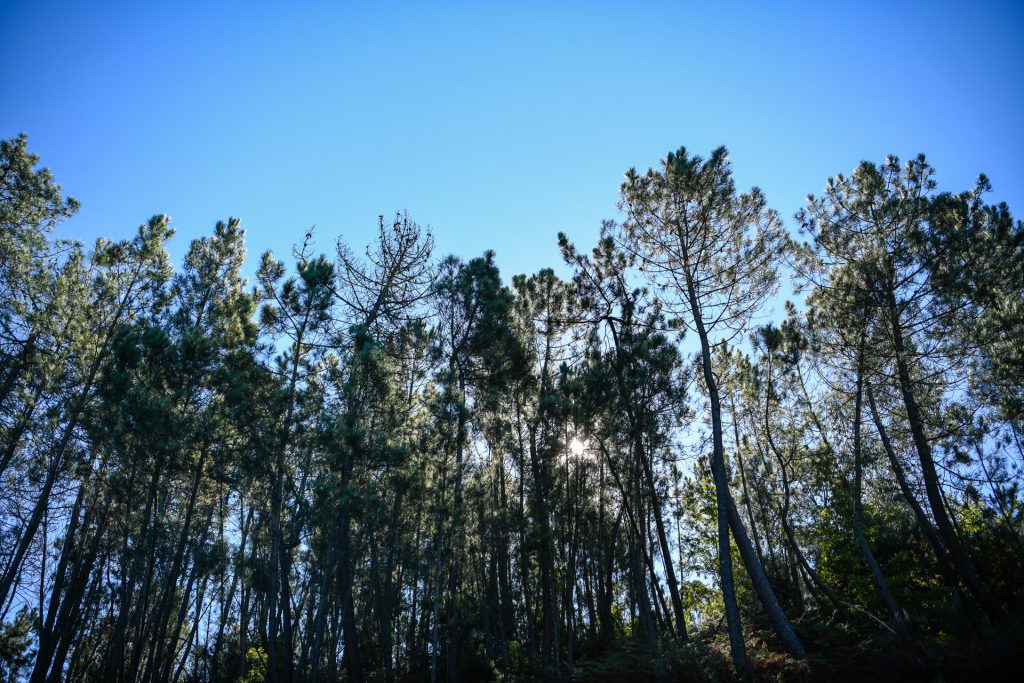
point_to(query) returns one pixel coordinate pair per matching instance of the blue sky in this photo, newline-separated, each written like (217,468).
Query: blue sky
(496,125)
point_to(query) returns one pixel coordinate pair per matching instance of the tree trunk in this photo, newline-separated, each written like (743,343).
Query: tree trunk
(728,517)
(958,552)
(858,508)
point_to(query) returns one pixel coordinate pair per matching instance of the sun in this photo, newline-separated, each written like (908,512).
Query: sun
(577,447)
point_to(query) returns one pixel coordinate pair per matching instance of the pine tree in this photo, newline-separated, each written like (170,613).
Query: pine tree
(713,253)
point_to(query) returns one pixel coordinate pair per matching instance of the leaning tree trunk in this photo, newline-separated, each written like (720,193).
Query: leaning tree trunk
(858,508)
(958,552)
(729,517)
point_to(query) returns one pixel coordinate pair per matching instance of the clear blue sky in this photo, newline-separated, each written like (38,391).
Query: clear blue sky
(497,126)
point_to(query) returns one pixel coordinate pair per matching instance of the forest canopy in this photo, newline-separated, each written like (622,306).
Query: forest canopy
(385,464)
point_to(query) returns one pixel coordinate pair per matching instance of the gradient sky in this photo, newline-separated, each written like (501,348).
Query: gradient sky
(497,126)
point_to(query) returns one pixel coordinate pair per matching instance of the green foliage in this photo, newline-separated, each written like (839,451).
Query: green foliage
(255,665)
(16,652)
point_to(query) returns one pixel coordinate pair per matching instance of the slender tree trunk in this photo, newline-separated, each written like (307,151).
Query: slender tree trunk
(666,553)
(958,552)
(453,635)
(644,601)
(784,512)
(547,586)
(743,482)
(895,613)
(941,556)
(728,517)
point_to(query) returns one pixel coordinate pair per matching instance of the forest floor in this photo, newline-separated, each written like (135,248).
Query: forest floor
(834,654)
